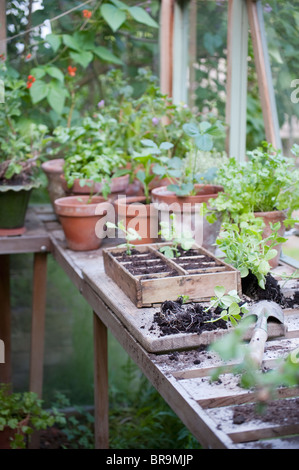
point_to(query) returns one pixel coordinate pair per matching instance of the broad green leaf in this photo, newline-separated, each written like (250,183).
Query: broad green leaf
(119,4)
(113,16)
(56,97)
(106,55)
(38,72)
(234,309)
(191,129)
(38,91)
(219,291)
(166,145)
(204,126)
(149,143)
(204,142)
(264,267)
(82,58)
(71,42)
(140,15)
(270,254)
(55,72)
(54,40)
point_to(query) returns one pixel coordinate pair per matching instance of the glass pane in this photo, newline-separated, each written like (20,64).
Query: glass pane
(282,29)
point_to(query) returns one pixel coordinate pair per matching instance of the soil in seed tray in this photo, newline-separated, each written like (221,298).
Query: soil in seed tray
(176,317)
(144,263)
(272,413)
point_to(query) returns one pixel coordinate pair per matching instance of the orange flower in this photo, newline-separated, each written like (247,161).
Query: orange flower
(28,56)
(30,80)
(87,13)
(71,70)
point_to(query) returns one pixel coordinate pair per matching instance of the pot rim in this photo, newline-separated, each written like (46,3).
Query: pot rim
(53,166)
(162,193)
(72,206)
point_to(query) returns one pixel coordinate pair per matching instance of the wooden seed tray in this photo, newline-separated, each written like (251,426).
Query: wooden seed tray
(195,274)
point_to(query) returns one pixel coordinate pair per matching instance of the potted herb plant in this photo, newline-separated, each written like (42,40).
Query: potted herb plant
(190,186)
(20,415)
(21,146)
(267,184)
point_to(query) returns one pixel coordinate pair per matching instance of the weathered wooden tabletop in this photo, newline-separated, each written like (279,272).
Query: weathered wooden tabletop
(179,369)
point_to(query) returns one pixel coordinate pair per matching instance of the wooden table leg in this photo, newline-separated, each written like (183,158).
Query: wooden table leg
(38,323)
(101,384)
(5,319)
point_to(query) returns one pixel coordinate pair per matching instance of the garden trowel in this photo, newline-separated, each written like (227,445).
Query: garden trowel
(263,311)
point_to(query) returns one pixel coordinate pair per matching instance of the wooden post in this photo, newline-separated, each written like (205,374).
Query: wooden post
(3,28)
(237,47)
(5,318)
(38,323)
(166,37)
(101,384)
(263,69)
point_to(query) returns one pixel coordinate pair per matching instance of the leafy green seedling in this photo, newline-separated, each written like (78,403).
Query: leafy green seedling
(229,303)
(130,235)
(170,233)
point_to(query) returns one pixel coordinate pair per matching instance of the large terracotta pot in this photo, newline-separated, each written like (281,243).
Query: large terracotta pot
(118,186)
(53,169)
(81,220)
(143,218)
(271,218)
(187,211)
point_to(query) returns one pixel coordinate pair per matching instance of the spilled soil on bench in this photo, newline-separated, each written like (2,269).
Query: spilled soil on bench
(177,317)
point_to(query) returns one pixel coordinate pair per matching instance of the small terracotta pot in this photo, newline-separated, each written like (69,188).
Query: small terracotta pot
(53,169)
(81,220)
(187,211)
(273,217)
(140,216)
(118,186)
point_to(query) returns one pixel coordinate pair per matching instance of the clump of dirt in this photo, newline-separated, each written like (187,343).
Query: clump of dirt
(272,291)
(177,317)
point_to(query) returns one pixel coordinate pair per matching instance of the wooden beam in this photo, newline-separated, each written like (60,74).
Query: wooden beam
(38,323)
(263,69)
(5,318)
(101,383)
(3,28)
(236,86)
(166,37)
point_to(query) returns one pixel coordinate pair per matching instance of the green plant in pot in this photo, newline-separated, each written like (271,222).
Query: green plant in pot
(22,143)
(90,161)
(138,210)
(190,186)
(20,415)
(267,184)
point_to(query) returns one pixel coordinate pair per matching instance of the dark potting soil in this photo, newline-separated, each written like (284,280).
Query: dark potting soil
(273,413)
(177,317)
(272,291)
(144,263)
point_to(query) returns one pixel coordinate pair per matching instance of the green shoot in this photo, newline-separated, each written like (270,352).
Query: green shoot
(130,235)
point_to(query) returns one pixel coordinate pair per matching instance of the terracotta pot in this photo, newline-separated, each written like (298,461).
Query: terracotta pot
(8,434)
(140,216)
(118,186)
(53,169)
(134,189)
(187,212)
(81,220)
(273,217)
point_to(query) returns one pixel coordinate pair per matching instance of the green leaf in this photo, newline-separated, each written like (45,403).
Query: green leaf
(38,91)
(113,16)
(264,267)
(55,72)
(270,254)
(56,97)
(54,41)
(38,72)
(82,58)
(191,129)
(140,15)
(234,309)
(204,142)
(119,4)
(219,291)
(106,55)
(71,42)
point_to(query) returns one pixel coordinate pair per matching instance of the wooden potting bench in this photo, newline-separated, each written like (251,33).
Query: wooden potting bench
(182,377)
